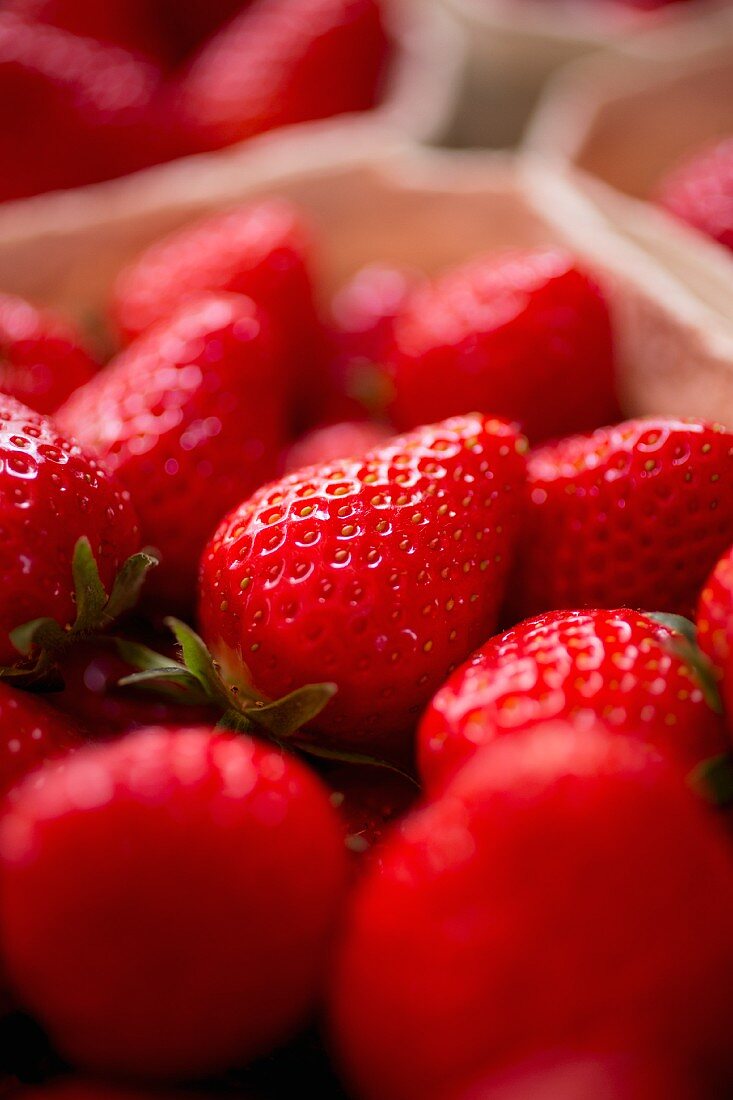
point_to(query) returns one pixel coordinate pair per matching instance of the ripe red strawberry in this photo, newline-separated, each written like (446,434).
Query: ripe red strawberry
(619,667)
(30,733)
(72,110)
(380,575)
(91,696)
(333,442)
(223,865)
(699,191)
(285,61)
(190,417)
(361,331)
(262,250)
(715,626)
(525,335)
(565,889)
(52,493)
(42,357)
(370,800)
(635,514)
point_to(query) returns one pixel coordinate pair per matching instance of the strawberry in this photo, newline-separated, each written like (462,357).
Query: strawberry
(380,575)
(42,357)
(699,191)
(52,495)
(30,734)
(73,111)
(91,696)
(190,417)
(222,865)
(282,62)
(361,331)
(619,667)
(634,514)
(525,335)
(565,889)
(715,626)
(261,250)
(333,442)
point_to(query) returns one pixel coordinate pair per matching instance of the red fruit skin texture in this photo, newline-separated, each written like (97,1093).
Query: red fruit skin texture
(699,191)
(334,442)
(260,249)
(361,333)
(51,494)
(715,626)
(31,733)
(379,574)
(190,418)
(42,357)
(92,698)
(523,335)
(73,111)
(617,667)
(193,935)
(281,62)
(584,1076)
(636,514)
(564,890)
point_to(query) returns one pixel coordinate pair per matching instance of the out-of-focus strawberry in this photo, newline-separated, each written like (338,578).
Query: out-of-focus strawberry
(699,191)
(635,515)
(361,325)
(190,418)
(31,733)
(285,61)
(335,441)
(522,335)
(73,110)
(261,249)
(128,23)
(369,800)
(42,357)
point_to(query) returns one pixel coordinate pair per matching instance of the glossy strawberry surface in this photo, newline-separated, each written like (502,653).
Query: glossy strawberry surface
(194,931)
(72,110)
(42,357)
(564,889)
(380,575)
(634,514)
(52,493)
(190,418)
(524,335)
(282,62)
(618,667)
(31,733)
(699,191)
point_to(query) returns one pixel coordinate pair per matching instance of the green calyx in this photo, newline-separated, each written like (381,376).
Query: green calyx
(42,642)
(683,644)
(197,680)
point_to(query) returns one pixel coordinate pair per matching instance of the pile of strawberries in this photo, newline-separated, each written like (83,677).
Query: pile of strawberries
(94,89)
(421,739)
